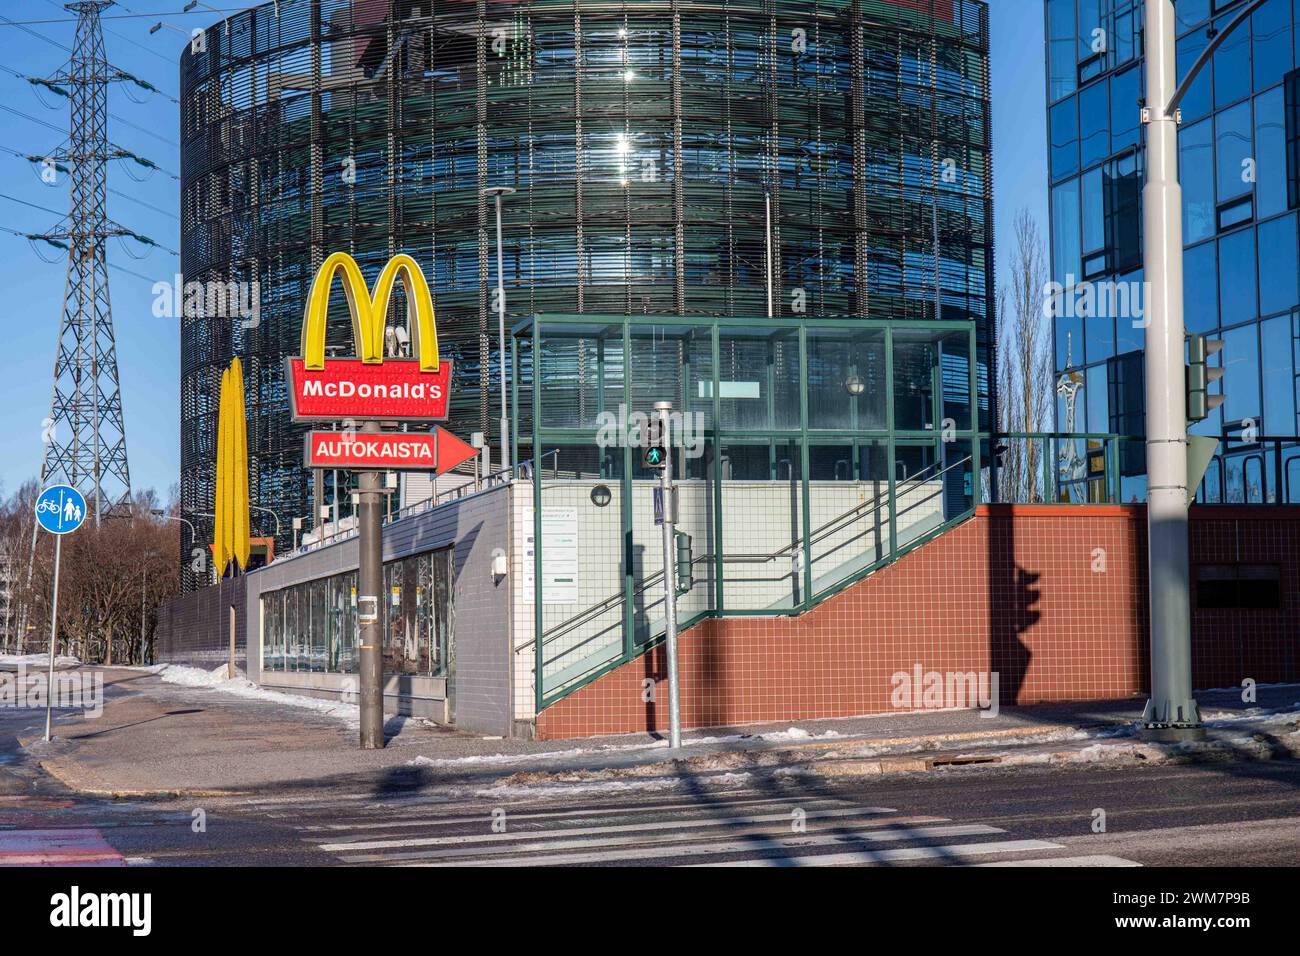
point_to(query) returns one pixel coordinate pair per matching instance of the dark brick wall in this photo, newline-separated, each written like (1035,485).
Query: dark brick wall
(194,628)
(1052,598)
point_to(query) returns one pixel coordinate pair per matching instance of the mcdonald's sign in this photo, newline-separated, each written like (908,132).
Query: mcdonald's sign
(368,386)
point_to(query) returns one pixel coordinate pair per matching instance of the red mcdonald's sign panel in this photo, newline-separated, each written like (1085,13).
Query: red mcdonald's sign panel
(436,451)
(349,388)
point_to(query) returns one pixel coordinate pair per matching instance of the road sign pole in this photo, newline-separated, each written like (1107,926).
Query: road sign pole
(670,575)
(54,619)
(370,585)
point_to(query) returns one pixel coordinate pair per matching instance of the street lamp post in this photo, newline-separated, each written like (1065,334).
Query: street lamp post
(496,192)
(1172,712)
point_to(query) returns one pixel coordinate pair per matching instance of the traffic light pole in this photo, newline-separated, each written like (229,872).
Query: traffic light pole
(1171,713)
(370,586)
(670,574)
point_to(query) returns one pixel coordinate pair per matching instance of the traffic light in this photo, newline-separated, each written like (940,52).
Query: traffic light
(653,452)
(685,577)
(1199,376)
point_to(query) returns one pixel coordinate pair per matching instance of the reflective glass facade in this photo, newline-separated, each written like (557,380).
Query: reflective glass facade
(645,142)
(1238,173)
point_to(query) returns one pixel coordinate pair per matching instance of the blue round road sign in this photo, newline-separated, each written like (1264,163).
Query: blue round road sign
(60,509)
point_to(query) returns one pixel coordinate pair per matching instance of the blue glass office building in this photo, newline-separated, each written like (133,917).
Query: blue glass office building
(1237,146)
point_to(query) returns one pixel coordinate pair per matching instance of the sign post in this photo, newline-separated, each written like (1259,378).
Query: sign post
(370,584)
(658,455)
(60,510)
(375,390)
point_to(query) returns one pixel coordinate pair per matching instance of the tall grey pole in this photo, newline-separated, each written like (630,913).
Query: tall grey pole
(370,586)
(1171,712)
(670,575)
(496,192)
(54,624)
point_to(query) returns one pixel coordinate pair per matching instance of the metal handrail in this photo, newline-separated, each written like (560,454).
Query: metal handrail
(819,534)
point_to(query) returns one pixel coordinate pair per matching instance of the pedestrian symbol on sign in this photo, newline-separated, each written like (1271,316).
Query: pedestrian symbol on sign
(60,509)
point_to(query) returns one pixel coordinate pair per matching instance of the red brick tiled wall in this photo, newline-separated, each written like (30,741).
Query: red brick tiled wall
(1052,598)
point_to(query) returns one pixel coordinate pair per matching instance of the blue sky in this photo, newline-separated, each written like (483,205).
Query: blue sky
(149,347)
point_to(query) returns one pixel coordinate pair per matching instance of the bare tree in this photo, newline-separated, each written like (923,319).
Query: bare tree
(112,579)
(1025,362)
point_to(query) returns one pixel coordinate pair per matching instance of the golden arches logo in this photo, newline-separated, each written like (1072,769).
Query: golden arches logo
(369,312)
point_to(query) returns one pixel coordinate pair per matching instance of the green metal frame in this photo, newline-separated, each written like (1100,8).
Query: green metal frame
(537,329)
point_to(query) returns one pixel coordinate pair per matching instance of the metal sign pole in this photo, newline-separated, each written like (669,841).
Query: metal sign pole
(670,574)
(370,584)
(54,618)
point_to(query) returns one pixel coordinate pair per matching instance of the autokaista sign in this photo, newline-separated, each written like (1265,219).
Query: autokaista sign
(435,451)
(366,386)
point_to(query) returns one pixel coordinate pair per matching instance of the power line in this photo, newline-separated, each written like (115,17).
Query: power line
(133,16)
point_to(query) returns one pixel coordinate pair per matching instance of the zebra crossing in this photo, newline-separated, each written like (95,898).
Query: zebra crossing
(711,829)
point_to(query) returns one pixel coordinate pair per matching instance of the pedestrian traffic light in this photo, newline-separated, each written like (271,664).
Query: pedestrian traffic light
(1199,376)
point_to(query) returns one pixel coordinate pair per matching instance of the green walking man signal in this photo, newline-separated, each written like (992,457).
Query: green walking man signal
(1199,376)
(653,456)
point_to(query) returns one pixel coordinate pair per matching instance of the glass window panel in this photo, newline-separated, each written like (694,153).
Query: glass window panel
(915,374)
(1065,232)
(1197,101)
(1196,175)
(759,380)
(1098,326)
(1270,152)
(954,364)
(846,380)
(1278,266)
(1237,298)
(1093,211)
(1129,332)
(1125,113)
(1122,185)
(1270,30)
(1240,380)
(1200,288)
(1097,399)
(1061,49)
(1188,13)
(1279,376)
(1094,124)
(1069,340)
(1232,134)
(1232,66)
(1065,138)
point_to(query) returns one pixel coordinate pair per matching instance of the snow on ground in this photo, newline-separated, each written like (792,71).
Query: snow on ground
(241,686)
(37,660)
(559,788)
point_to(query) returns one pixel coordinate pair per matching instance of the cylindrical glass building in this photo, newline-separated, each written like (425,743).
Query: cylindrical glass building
(663,152)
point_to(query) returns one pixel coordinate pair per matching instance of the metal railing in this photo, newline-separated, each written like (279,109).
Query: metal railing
(592,644)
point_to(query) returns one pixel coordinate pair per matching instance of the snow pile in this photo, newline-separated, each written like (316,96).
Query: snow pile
(241,686)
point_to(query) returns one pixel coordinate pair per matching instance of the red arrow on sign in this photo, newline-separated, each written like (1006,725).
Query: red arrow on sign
(451,451)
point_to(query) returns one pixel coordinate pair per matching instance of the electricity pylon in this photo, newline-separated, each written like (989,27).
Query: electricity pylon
(86,435)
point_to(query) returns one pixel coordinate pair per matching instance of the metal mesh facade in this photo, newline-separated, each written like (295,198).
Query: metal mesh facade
(645,140)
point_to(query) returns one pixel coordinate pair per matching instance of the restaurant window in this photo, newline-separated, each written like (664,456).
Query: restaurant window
(420,614)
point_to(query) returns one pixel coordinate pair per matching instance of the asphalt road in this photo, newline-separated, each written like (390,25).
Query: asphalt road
(1245,814)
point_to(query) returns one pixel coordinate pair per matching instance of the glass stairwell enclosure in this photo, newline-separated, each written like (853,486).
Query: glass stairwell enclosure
(806,453)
